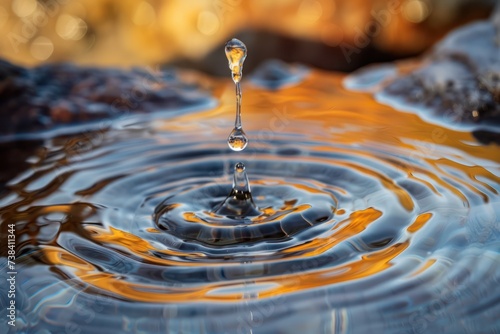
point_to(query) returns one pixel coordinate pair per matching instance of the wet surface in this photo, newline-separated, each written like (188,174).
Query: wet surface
(61,95)
(374,220)
(458,83)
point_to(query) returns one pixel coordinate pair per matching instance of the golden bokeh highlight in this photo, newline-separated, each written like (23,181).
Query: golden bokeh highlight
(416,11)
(24,8)
(70,27)
(146,32)
(41,48)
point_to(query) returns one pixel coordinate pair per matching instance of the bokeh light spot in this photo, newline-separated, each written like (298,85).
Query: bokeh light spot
(415,11)
(144,14)
(71,27)
(23,8)
(208,23)
(41,48)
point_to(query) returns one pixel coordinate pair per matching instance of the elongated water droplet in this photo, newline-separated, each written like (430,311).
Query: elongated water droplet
(236,52)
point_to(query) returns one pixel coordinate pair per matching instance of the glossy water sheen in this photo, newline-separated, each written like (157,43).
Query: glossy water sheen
(369,220)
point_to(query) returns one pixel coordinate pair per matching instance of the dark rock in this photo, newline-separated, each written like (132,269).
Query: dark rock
(275,74)
(62,94)
(458,82)
(487,137)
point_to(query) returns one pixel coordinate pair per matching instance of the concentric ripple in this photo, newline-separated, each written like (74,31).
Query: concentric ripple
(356,228)
(283,210)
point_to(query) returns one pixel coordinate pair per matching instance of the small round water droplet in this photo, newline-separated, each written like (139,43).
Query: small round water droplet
(240,182)
(237,140)
(236,52)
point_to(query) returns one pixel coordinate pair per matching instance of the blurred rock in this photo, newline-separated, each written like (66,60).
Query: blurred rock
(263,46)
(50,95)
(15,155)
(459,79)
(275,74)
(458,82)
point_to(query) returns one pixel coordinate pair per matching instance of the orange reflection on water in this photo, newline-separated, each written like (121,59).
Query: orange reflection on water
(421,220)
(366,266)
(332,114)
(325,113)
(357,222)
(138,246)
(58,256)
(91,275)
(427,264)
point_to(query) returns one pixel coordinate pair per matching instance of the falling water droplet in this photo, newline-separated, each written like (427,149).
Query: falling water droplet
(236,52)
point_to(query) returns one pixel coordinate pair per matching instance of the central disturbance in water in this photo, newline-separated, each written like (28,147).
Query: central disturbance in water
(239,203)
(274,210)
(236,52)
(207,215)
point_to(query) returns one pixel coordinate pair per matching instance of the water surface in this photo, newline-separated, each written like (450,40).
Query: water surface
(386,222)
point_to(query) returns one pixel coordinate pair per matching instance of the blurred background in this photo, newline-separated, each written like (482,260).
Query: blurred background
(328,34)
